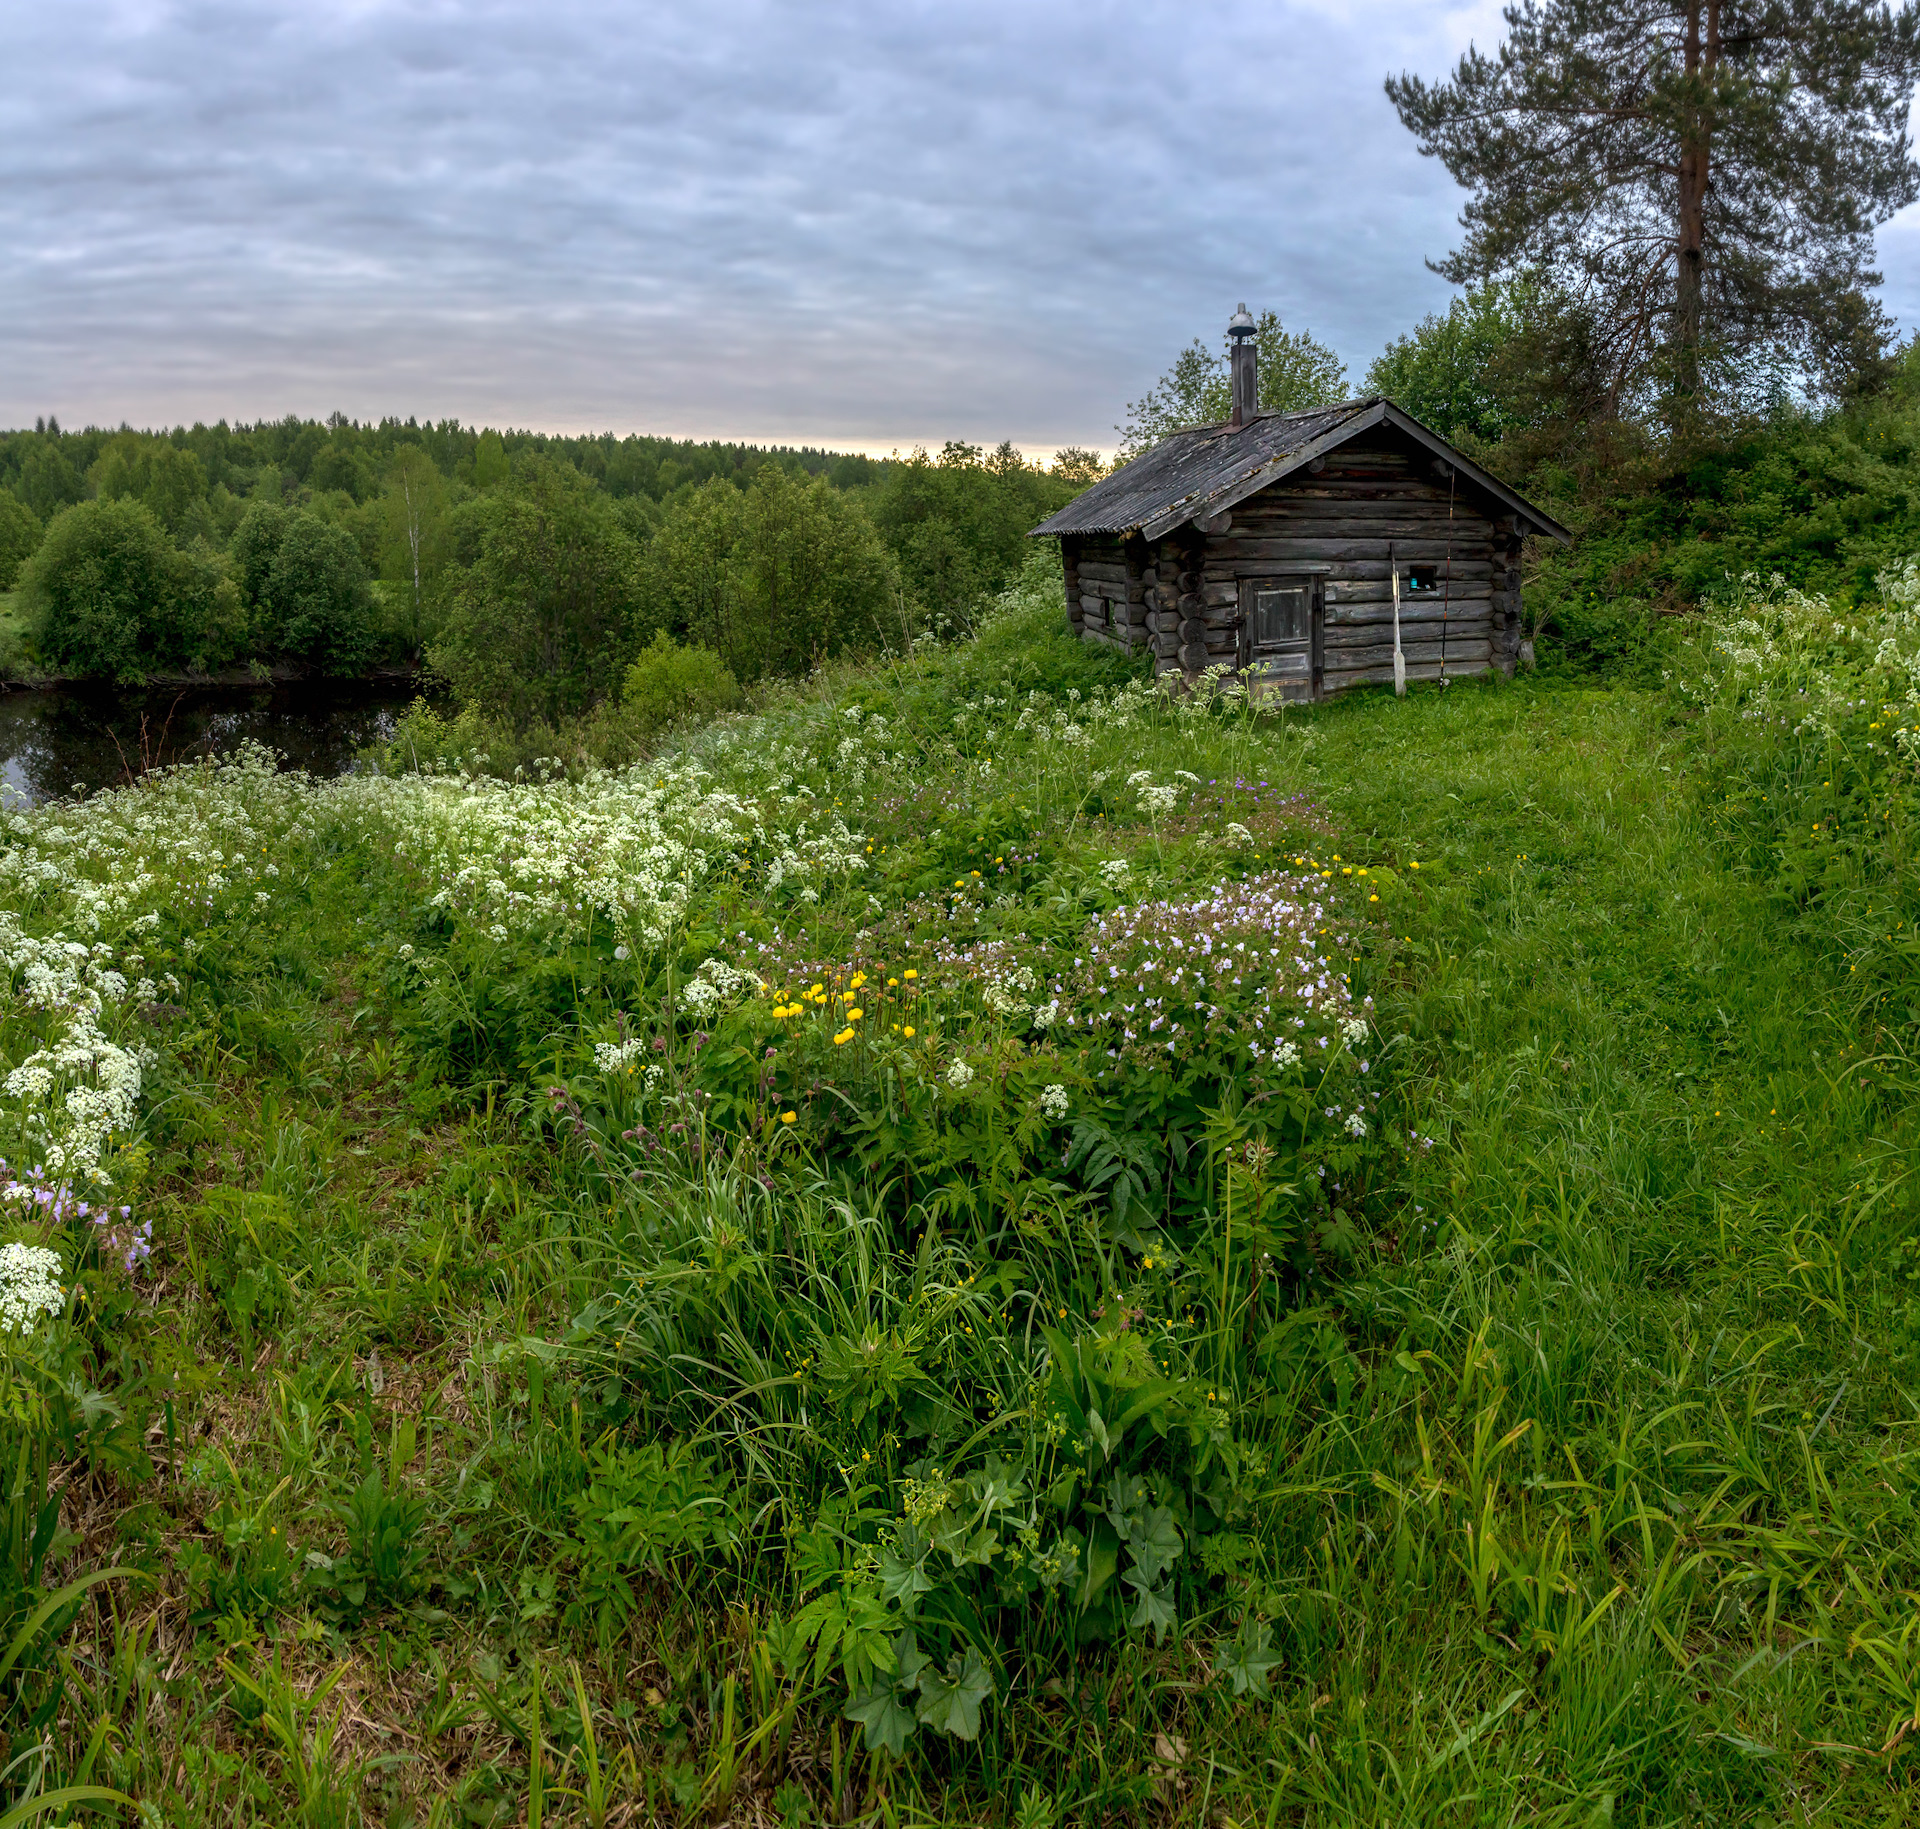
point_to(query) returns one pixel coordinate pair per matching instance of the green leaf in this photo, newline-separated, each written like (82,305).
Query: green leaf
(1154,1610)
(880,1713)
(903,1582)
(950,1700)
(59,1800)
(1103,1559)
(1154,1541)
(1126,1498)
(1247,1660)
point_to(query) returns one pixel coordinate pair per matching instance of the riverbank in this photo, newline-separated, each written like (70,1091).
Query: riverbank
(56,738)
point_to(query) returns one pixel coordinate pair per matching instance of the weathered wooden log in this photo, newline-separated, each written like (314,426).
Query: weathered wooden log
(1320,521)
(1166,646)
(1346,589)
(1380,654)
(1335,551)
(1382,676)
(1420,610)
(1286,501)
(1192,630)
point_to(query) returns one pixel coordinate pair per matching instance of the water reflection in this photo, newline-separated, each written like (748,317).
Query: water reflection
(74,740)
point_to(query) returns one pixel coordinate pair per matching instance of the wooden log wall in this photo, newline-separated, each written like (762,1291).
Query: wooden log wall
(1180,598)
(1107,589)
(1338,525)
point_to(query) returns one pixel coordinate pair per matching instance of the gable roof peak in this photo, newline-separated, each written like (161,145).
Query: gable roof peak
(1201,470)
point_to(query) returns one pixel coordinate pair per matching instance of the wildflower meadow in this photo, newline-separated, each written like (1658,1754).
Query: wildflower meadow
(980,1243)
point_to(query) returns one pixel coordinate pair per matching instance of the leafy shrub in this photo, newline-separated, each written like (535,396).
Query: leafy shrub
(958,524)
(644,1509)
(109,596)
(774,578)
(545,608)
(306,588)
(669,683)
(19,537)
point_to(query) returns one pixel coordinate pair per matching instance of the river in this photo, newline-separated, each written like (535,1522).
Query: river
(70,739)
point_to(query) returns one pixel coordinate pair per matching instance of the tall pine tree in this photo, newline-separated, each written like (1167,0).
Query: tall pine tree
(1706,174)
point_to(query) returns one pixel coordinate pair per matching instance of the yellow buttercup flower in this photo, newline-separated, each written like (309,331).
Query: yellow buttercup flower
(787,1117)
(908,1031)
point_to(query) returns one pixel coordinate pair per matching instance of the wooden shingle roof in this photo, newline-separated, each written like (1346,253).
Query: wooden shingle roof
(1203,470)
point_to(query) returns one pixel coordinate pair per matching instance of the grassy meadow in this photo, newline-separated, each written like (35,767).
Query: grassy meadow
(979,1246)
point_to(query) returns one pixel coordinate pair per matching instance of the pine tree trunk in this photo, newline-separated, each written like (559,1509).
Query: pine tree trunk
(1694,174)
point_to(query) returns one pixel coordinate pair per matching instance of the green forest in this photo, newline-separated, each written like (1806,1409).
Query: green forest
(526,572)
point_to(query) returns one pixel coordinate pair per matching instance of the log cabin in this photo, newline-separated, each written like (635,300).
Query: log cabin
(1270,545)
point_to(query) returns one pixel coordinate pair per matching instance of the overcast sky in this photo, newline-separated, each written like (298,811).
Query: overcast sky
(859,225)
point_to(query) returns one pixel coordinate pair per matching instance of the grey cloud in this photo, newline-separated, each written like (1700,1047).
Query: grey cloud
(862,224)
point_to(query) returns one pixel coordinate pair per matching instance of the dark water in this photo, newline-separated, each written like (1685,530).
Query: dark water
(55,742)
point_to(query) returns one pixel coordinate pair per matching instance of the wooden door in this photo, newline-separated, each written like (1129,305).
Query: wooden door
(1279,636)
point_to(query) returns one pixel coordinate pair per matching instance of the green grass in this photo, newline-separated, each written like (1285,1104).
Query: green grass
(1559,1471)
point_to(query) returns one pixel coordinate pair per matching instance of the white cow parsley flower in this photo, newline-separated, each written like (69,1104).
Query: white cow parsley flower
(29,1287)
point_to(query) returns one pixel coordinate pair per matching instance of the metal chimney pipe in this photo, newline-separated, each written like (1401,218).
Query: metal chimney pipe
(1246,366)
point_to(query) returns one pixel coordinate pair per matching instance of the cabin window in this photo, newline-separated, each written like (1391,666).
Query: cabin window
(1423,580)
(1280,613)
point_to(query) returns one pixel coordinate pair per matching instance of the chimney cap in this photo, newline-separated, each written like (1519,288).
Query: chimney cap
(1240,327)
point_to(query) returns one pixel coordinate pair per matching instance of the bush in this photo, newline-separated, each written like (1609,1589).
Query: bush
(318,598)
(547,608)
(306,588)
(776,578)
(668,683)
(19,537)
(959,525)
(109,596)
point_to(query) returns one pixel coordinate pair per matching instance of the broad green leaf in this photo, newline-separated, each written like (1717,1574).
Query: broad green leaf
(1154,1610)
(1103,1559)
(1126,1498)
(950,1700)
(908,1659)
(902,1582)
(1247,1659)
(1154,1541)
(882,1716)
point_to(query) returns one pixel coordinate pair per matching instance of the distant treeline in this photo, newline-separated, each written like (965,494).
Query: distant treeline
(526,570)
(48,468)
